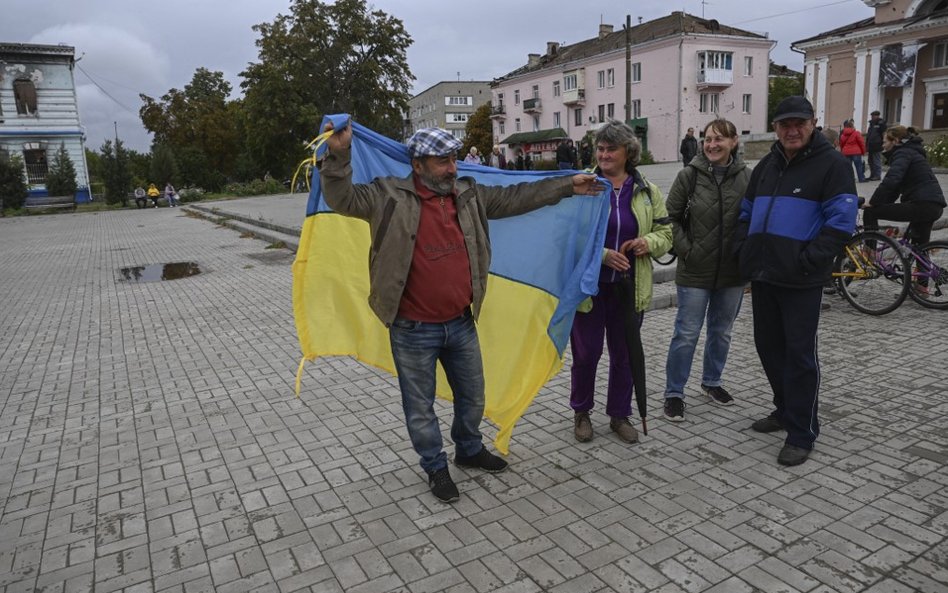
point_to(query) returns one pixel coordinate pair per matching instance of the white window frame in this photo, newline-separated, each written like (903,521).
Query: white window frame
(940,55)
(556,88)
(536,123)
(502,132)
(517,97)
(601,79)
(611,110)
(536,91)
(517,124)
(453,100)
(636,108)
(570,82)
(637,72)
(748,65)
(746,103)
(578,116)
(601,113)
(557,123)
(709,102)
(456,118)
(611,77)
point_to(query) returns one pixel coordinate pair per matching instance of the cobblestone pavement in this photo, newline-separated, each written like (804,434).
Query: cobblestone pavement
(150,441)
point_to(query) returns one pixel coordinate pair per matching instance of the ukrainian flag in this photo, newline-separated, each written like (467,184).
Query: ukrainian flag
(544,264)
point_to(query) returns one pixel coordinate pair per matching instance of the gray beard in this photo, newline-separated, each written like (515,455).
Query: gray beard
(441,188)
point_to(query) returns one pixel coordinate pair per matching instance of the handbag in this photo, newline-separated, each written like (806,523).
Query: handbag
(686,213)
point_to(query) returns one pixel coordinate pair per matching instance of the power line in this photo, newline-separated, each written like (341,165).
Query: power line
(99,86)
(764,18)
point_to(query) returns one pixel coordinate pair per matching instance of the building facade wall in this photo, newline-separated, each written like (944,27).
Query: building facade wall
(668,97)
(56,120)
(440,106)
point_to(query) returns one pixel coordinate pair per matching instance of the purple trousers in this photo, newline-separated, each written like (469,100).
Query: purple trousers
(605,320)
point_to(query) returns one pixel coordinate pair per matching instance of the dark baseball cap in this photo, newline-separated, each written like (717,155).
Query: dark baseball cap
(794,107)
(876,112)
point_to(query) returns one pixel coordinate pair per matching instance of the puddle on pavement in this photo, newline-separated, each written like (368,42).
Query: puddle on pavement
(159,272)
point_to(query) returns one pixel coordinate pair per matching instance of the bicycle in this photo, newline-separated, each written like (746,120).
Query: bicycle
(872,273)
(928,269)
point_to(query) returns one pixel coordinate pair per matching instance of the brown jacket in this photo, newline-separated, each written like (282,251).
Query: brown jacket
(392,209)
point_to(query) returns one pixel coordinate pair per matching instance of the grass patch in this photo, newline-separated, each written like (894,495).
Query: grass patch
(247,235)
(276,245)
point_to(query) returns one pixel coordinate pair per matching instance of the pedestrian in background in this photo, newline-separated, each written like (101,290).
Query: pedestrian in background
(875,136)
(853,147)
(689,147)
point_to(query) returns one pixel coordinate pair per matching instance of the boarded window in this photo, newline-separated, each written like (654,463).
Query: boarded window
(25,94)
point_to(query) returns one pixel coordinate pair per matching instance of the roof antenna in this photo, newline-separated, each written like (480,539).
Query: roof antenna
(703,4)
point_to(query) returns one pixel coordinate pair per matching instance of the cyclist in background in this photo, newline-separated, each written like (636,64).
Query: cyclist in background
(911,182)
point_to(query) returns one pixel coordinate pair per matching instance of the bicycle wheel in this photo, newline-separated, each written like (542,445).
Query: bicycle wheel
(872,274)
(929,285)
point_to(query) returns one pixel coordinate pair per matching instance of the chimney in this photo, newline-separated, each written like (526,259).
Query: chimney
(533,60)
(604,30)
(552,47)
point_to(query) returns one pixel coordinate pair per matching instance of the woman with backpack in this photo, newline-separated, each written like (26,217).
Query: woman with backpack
(703,204)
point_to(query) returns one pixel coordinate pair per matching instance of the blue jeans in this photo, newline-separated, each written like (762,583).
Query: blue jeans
(416,347)
(860,166)
(721,306)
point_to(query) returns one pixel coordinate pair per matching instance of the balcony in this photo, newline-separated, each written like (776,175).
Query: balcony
(532,106)
(574,97)
(715,77)
(498,111)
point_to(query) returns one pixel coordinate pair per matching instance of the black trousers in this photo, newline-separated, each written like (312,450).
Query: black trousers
(920,216)
(785,325)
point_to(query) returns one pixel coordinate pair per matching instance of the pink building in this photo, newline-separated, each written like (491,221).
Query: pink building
(685,71)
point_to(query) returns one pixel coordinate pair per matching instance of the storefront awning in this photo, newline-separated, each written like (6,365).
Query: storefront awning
(534,137)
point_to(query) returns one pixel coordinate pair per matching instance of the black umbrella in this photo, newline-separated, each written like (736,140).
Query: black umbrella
(633,339)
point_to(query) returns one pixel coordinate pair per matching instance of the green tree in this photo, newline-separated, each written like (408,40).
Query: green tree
(782,87)
(13,190)
(61,176)
(200,120)
(139,165)
(323,58)
(479,132)
(164,167)
(115,172)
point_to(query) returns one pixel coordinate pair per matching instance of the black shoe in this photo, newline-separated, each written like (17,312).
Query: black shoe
(442,486)
(830,290)
(718,394)
(769,424)
(791,455)
(675,409)
(484,460)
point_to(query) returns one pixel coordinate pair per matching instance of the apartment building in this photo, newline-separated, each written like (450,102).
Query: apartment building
(684,71)
(446,105)
(39,111)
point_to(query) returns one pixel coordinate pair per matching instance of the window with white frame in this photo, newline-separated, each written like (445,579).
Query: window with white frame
(601,79)
(637,72)
(611,77)
(536,123)
(636,108)
(500,99)
(577,117)
(556,119)
(456,118)
(569,82)
(556,88)
(708,103)
(602,113)
(611,110)
(746,104)
(517,97)
(469,101)
(502,132)
(517,124)
(940,55)
(536,91)
(748,65)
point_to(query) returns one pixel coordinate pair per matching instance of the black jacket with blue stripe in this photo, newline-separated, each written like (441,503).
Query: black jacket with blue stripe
(796,215)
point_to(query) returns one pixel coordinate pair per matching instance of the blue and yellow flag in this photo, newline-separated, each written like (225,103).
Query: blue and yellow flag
(544,264)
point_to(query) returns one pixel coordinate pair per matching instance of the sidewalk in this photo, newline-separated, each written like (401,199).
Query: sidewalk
(150,441)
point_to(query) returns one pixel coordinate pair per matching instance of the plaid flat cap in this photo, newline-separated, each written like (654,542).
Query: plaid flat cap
(432,142)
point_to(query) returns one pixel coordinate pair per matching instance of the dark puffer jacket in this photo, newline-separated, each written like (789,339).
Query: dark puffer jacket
(706,257)
(909,176)
(796,215)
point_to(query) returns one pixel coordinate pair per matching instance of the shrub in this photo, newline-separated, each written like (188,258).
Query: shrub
(257,187)
(646,158)
(938,152)
(191,194)
(61,177)
(13,190)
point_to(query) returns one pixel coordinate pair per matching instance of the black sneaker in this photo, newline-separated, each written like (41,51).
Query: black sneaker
(675,409)
(718,394)
(769,424)
(791,455)
(484,460)
(442,486)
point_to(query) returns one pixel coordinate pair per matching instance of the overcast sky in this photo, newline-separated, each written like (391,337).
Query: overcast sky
(129,47)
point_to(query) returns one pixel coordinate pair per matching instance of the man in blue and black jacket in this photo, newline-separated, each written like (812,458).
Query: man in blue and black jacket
(798,212)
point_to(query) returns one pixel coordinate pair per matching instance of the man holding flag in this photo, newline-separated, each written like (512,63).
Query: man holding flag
(428,268)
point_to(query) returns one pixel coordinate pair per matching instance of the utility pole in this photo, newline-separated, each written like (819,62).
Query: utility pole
(628,68)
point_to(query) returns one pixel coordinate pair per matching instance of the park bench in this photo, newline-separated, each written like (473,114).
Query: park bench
(41,202)
(149,200)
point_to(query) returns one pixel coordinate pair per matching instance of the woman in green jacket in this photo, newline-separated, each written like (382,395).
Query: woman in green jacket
(638,227)
(704,203)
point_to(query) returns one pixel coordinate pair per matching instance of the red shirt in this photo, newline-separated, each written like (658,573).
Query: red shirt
(439,281)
